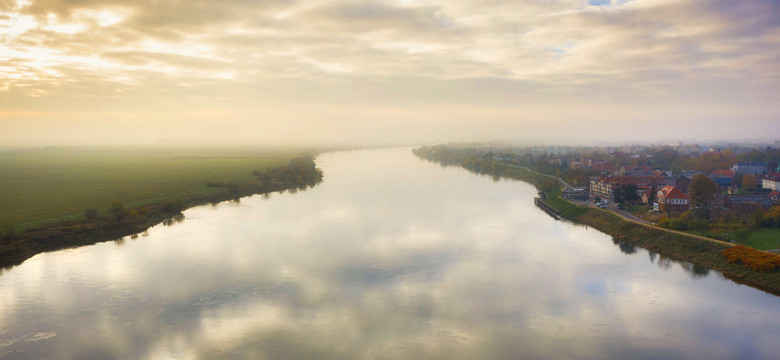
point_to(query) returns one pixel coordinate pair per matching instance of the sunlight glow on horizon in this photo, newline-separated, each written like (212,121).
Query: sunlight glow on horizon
(285,66)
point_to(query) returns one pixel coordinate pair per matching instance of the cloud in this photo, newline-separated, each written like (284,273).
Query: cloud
(673,52)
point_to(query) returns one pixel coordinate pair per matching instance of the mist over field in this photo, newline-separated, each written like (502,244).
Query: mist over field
(365,72)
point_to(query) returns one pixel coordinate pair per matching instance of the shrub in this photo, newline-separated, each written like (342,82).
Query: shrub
(91,214)
(678,224)
(755,259)
(173,206)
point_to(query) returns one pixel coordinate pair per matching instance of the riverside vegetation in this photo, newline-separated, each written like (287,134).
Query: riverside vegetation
(751,267)
(117,219)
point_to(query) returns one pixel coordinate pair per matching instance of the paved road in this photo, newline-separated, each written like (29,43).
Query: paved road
(565,184)
(612,206)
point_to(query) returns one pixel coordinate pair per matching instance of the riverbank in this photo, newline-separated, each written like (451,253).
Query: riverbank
(298,174)
(675,245)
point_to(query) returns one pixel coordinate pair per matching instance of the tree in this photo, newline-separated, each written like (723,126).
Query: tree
(117,206)
(741,234)
(628,193)
(118,210)
(727,223)
(701,191)
(652,197)
(748,181)
(701,225)
(757,217)
(91,214)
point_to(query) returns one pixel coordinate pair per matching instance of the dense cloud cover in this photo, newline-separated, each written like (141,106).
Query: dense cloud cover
(324,70)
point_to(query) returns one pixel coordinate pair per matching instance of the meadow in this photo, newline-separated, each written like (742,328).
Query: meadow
(761,238)
(40,186)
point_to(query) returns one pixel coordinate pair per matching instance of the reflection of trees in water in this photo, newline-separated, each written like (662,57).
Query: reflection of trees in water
(175,219)
(695,270)
(664,262)
(625,247)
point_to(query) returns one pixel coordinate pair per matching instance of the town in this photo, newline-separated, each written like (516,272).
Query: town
(725,192)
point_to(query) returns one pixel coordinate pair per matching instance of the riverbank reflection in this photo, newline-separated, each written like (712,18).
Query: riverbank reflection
(390,257)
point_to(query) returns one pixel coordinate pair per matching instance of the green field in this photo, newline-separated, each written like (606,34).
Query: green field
(761,238)
(46,185)
(764,239)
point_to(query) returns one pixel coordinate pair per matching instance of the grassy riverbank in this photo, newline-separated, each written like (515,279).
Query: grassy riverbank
(674,245)
(122,219)
(46,185)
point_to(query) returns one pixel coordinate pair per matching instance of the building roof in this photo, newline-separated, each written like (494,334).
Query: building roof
(773,176)
(723,173)
(751,163)
(671,192)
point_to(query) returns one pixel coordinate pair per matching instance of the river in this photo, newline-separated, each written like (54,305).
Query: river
(390,257)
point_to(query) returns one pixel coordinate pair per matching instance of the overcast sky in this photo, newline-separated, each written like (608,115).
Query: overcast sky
(314,71)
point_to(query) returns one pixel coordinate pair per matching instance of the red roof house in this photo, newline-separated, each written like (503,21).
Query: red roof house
(672,199)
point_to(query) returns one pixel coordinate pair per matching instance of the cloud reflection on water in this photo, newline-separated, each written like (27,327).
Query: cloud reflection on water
(389,258)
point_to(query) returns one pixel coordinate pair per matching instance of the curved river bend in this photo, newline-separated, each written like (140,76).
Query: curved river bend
(390,257)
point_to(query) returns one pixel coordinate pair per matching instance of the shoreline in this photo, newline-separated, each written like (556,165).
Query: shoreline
(299,173)
(671,244)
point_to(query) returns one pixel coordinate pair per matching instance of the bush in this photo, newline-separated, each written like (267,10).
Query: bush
(755,259)
(91,214)
(173,206)
(117,206)
(678,224)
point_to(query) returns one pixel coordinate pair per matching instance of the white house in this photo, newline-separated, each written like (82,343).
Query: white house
(771,181)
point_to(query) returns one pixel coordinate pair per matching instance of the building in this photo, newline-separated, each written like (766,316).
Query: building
(723,178)
(672,199)
(602,166)
(576,194)
(682,183)
(606,186)
(747,202)
(646,196)
(635,171)
(749,167)
(771,181)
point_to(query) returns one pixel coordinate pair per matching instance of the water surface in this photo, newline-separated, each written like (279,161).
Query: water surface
(391,257)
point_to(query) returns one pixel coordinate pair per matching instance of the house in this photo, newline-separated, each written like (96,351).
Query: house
(646,196)
(577,194)
(635,171)
(749,167)
(690,173)
(771,181)
(774,195)
(723,178)
(682,183)
(602,167)
(606,186)
(672,199)
(744,201)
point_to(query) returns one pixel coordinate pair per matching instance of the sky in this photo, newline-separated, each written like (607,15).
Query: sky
(393,71)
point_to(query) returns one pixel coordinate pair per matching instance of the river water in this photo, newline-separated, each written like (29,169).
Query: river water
(390,257)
